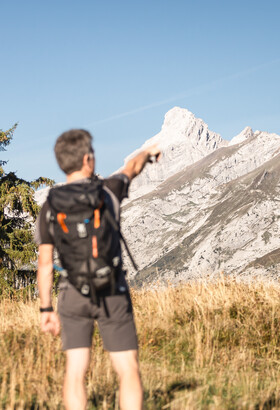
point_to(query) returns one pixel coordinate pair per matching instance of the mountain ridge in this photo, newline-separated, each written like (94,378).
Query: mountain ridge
(215,221)
(172,216)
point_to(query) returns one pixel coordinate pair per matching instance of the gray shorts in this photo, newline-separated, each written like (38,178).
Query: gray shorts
(114,316)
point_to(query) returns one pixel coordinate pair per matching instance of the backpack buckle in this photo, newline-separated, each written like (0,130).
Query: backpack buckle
(85,289)
(103,272)
(82,230)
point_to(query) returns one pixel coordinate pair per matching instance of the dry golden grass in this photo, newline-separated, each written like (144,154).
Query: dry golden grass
(202,346)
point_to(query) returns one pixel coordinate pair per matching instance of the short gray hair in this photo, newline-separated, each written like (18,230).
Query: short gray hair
(70,149)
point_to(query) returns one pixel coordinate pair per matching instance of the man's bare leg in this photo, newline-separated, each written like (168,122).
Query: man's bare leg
(127,367)
(74,392)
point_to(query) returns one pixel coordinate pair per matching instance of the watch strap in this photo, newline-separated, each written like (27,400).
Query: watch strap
(47,309)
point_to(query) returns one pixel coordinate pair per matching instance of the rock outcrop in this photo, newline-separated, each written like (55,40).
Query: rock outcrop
(218,214)
(184,140)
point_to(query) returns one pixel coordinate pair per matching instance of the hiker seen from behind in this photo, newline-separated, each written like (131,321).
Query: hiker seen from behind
(81,221)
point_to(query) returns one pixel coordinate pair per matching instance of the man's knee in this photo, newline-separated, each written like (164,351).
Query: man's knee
(125,362)
(77,361)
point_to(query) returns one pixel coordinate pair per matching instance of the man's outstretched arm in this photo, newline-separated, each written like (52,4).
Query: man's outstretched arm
(49,320)
(135,165)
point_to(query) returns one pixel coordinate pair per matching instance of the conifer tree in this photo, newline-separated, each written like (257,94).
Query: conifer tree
(18,211)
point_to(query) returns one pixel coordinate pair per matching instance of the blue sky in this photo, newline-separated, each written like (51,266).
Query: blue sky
(116,67)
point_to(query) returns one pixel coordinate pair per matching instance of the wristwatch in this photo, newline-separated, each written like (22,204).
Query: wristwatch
(47,309)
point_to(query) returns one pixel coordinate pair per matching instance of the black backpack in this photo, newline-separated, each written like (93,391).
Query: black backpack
(84,220)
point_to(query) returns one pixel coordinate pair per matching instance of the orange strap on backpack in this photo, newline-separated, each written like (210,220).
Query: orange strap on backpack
(60,218)
(97,218)
(94,247)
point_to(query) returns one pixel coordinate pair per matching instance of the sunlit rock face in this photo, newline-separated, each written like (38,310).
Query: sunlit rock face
(218,214)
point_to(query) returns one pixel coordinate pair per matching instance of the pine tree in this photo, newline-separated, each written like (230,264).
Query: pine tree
(18,212)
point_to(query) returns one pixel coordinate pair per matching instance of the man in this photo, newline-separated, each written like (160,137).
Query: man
(77,312)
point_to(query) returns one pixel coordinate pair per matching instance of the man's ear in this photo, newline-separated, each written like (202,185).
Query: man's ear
(88,166)
(85,159)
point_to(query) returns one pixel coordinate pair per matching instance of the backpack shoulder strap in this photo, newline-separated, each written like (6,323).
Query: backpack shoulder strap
(110,218)
(76,197)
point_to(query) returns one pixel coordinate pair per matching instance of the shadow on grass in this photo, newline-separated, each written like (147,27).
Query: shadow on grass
(97,401)
(271,403)
(158,398)
(153,400)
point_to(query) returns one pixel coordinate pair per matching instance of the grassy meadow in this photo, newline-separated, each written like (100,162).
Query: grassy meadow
(202,346)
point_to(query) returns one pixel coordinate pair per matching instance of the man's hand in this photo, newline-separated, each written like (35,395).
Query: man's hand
(135,165)
(50,323)
(154,151)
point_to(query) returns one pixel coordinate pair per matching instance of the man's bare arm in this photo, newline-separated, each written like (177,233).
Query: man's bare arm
(49,320)
(135,165)
(45,274)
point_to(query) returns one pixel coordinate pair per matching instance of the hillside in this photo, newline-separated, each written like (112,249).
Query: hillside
(218,214)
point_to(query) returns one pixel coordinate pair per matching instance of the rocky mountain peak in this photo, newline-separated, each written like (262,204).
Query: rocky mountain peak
(181,124)
(184,139)
(178,119)
(243,136)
